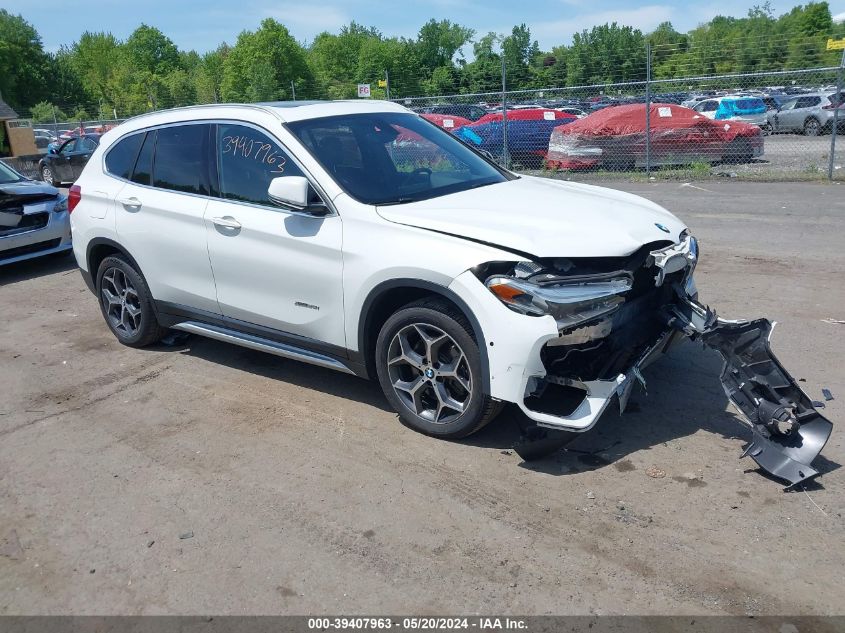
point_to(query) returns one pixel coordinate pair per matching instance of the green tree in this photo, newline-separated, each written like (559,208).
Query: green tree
(149,50)
(23,63)
(263,63)
(46,112)
(439,42)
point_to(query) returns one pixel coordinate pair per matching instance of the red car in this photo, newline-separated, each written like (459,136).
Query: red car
(446,121)
(614,138)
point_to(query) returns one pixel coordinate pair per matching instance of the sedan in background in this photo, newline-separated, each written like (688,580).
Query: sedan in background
(446,121)
(528,134)
(615,138)
(65,164)
(34,219)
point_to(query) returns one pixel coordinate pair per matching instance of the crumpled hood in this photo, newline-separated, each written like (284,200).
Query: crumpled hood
(544,218)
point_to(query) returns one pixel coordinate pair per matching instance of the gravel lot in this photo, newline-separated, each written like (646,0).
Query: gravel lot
(212,479)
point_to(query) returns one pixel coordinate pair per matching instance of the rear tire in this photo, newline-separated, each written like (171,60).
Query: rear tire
(126,303)
(812,127)
(429,367)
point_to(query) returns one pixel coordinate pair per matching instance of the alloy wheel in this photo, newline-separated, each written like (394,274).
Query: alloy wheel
(121,302)
(430,373)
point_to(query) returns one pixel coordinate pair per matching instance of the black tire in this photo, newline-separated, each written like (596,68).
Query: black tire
(147,329)
(812,127)
(47,176)
(479,408)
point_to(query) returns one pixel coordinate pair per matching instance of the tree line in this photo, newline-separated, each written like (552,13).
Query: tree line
(101,76)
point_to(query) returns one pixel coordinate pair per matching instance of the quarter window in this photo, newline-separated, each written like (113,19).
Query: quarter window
(121,158)
(180,163)
(247,160)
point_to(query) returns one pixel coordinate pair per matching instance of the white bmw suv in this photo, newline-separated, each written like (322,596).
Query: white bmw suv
(359,237)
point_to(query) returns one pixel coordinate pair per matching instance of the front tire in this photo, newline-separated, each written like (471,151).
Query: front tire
(126,303)
(429,367)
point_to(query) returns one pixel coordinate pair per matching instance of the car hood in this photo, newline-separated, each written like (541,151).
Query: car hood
(544,218)
(16,193)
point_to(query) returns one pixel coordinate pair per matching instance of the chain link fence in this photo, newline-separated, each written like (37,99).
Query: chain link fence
(761,126)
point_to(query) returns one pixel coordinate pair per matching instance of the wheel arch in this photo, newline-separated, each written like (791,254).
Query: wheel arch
(97,250)
(390,295)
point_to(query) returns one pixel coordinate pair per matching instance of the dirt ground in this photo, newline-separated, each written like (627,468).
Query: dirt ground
(212,479)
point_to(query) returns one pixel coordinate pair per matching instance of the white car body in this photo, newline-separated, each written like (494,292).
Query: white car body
(310,287)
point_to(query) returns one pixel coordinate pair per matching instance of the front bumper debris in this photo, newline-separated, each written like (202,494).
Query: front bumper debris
(787,431)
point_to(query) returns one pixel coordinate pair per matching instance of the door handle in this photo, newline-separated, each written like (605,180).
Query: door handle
(226,223)
(132,202)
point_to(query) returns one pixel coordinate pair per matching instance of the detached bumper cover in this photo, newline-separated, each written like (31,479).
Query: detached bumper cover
(787,431)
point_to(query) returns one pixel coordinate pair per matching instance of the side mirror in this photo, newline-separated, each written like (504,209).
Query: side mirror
(53,150)
(294,192)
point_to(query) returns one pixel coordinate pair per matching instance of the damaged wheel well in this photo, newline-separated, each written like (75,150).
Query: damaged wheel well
(389,297)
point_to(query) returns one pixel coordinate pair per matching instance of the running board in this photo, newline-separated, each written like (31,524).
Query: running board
(262,345)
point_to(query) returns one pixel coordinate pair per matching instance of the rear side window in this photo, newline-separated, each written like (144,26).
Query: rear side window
(247,160)
(143,173)
(180,163)
(121,158)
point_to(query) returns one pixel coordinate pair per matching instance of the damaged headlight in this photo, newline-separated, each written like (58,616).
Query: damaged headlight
(570,300)
(61,204)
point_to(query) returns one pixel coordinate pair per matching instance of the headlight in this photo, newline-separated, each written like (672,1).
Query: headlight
(570,301)
(61,204)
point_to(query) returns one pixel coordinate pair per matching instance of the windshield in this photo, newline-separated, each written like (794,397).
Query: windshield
(393,158)
(8,175)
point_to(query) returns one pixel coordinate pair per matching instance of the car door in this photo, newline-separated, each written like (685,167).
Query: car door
(85,146)
(274,267)
(60,162)
(160,218)
(793,118)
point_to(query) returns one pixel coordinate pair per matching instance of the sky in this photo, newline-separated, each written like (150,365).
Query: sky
(203,24)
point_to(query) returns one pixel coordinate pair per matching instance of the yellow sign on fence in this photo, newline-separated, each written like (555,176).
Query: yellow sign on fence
(382,83)
(835,45)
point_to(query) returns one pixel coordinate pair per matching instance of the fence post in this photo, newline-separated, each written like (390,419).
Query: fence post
(648,108)
(835,128)
(504,115)
(387,84)
(293,90)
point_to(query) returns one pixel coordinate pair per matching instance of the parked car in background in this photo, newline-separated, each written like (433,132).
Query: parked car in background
(614,138)
(465,110)
(811,114)
(528,134)
(746,109)
(576,112)
(65,163)
(33,218)
(43,139)
(446,121)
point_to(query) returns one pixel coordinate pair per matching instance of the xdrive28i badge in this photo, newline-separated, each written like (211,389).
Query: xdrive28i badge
(661,227)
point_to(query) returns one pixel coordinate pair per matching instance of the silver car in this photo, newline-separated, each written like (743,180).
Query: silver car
(811,114)
(34,218)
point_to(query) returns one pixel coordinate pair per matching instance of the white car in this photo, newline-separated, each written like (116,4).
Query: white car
(358,236)
(734,108)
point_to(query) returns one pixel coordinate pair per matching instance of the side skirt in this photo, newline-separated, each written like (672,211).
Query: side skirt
(263,345)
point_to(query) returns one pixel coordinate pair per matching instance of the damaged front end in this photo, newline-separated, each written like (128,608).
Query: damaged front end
(617,315)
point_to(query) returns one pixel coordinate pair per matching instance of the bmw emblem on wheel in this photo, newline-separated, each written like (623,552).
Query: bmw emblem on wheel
(661,227)
(429,373)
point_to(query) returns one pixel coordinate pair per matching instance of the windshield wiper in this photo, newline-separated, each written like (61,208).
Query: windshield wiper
(397,201)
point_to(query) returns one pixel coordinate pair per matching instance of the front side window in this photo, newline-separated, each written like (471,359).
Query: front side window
(393,158)
(86,144)
(68,147)
(179,163)
(247,160)
(121,158)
